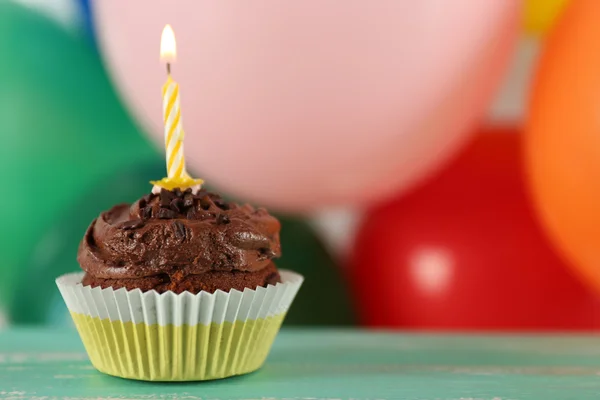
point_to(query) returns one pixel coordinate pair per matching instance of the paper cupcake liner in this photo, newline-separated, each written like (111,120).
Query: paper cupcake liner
(178,337)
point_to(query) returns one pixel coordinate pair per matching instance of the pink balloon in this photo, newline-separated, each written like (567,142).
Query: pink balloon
(300,104)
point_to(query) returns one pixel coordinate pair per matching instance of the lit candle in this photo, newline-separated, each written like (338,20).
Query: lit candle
(177,177)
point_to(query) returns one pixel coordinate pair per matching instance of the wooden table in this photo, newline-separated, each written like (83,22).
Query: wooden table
(327,364)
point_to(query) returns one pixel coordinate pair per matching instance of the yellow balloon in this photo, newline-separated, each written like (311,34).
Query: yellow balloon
(539,15)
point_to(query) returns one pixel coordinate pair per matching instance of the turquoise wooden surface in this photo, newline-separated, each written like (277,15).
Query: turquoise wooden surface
(311,364)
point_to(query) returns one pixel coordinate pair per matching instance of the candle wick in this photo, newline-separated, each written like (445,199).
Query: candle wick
(168,68)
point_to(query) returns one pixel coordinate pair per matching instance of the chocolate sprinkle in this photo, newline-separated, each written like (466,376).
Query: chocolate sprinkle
(223,219)
(188,200)
(165,198)
(133,224)
(180,231)
(165,213)
(147,212)
(145,200)
(176,205)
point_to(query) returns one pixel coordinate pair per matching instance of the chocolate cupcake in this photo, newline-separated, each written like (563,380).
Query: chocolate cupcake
(179,241)
(179,286)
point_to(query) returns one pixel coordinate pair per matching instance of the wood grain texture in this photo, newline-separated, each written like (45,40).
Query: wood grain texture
(326,364)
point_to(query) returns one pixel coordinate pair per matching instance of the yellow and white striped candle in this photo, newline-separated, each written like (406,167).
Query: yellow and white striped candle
(177,177)
(173,130)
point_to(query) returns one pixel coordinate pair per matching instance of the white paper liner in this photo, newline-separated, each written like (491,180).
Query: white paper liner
(178,337)
(178,309)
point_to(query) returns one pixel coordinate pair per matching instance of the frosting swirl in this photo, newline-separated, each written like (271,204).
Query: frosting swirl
(179,234)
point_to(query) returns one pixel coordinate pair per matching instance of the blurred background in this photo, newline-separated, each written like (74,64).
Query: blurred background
(435,165)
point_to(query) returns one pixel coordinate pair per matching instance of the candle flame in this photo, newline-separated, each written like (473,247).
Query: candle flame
(168,48)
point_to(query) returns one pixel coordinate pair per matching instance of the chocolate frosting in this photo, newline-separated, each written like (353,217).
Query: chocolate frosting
(179,233)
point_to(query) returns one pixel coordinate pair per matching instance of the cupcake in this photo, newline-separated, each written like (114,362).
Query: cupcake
(179,286)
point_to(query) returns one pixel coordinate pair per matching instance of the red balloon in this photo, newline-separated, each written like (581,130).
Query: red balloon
(465,252)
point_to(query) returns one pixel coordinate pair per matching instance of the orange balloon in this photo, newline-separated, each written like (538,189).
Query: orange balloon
(563,138)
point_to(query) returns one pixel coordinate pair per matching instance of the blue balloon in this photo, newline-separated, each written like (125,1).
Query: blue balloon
(88,20)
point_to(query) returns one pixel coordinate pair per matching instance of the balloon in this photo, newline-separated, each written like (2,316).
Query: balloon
(63,128)
(325,300)
(88,22)
(54,252)
(563,138)
(300,104)
(64,12)
(539,15)
(465,252)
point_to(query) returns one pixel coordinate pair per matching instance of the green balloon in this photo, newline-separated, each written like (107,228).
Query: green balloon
(323,298)
(62,129)
(37,300)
